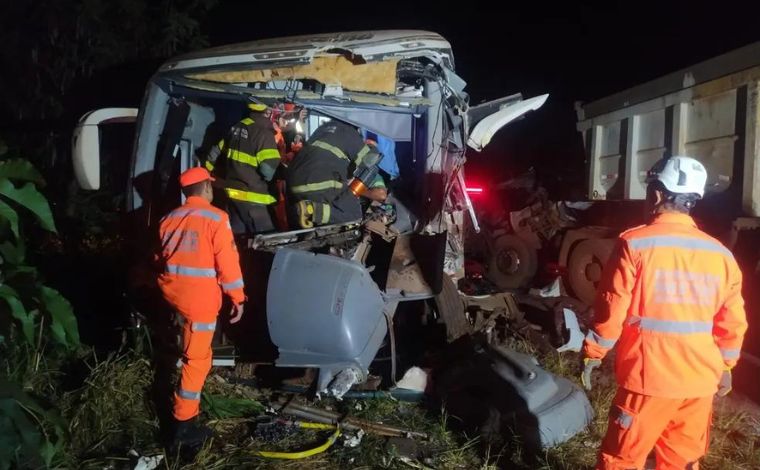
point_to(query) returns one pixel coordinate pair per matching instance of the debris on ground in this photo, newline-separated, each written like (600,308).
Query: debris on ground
(575,341)
(299,410)
(497,392)
(353,440)
(403,447)
(414,379)
(144,462)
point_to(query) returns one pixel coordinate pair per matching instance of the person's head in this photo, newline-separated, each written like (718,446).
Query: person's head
(258,108)
(675,184)
(283,114)
(197,182)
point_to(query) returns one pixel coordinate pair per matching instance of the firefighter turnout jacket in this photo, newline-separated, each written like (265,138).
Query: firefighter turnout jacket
(318,175)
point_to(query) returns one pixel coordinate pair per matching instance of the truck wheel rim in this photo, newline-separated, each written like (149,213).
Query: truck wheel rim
(508,261)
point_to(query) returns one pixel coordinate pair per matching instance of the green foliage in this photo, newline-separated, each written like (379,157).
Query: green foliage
(30,434)
(222,407)
(63,42)
(32,305)
(34,319)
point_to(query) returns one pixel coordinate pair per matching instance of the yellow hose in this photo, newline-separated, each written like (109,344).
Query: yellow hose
(307,425)
(305,453)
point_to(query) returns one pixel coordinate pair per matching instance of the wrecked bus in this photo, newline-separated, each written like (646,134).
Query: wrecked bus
(350,277)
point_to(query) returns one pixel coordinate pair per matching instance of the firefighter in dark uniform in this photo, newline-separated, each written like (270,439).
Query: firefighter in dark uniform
(246,161)
(321,179)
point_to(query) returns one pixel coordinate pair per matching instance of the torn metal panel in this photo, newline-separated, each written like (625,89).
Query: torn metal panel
(368,45)
(405,273)
(373,77)
(482,133)
(451,309)
(310,238)
(502,301)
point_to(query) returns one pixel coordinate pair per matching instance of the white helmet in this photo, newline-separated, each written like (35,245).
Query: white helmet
(679,175)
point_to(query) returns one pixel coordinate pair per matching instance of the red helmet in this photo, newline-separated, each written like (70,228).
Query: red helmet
(281,109)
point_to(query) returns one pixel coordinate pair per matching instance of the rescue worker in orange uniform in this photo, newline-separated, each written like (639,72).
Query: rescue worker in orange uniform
(288,131)
(199,261)
(288,128)
(670,298)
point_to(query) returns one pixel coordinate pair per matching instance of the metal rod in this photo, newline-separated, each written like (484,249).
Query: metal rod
(350,423)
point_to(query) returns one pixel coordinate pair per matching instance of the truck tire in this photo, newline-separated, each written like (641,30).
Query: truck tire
(513,262)
(450,308)
(584,267)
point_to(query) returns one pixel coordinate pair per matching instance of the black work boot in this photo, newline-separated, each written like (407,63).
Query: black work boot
(190,434)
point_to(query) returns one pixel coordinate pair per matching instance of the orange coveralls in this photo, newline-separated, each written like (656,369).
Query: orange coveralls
(671,299)
(199,261)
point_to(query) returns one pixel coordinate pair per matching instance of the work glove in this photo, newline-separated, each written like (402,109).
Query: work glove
(588,367)
(237,313)
(725,384)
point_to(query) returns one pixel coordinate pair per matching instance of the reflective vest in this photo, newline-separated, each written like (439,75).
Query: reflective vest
(670,299)
(198,259)
(246,160)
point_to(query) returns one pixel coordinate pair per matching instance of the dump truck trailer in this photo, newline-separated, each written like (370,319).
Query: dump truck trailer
(708,111)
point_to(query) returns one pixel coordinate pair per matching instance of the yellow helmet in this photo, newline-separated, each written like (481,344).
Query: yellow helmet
(257,106)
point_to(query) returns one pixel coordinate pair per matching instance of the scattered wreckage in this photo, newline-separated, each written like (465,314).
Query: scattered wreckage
(396,84)
(333,291)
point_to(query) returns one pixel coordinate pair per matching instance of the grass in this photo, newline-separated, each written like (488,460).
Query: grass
(113,413)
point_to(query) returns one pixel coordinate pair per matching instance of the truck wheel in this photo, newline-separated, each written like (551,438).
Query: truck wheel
(585,265)
(450,308)
(513,262)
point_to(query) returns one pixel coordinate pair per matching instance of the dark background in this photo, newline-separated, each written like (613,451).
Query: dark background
(575,51)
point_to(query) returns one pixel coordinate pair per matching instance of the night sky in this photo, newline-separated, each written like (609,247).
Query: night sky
(574,51)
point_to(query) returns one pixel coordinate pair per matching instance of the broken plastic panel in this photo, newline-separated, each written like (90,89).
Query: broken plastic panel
(575,342)
(559,409)
(324,312)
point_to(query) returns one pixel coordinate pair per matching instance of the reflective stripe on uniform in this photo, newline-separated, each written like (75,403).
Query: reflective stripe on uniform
(360,156)
(189,395)
(669,241)
(330,148)
(594,337)
(730,353)
(249,196)
(247,121)
(213,155)
(182,212)
(242,157)
(671,326)
(325,213)
(233,285)
(310,187)
(188,271)
(252,160)
(200,326)
(268,154)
